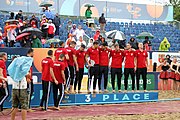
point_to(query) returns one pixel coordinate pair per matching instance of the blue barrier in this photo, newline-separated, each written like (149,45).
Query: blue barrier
(84,99)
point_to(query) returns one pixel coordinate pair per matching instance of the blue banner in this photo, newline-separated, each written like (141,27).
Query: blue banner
(83,99)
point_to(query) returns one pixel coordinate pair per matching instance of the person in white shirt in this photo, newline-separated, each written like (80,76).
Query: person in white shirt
(80,42)
(20,96)
(51,29)
(79,32)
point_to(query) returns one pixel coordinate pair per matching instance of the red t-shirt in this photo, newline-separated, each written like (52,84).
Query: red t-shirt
(117,58)
(80,58)
(129,58)
(46,64)
(104,56)
(93,54)
(61,51)
(141,58)
(71,52)
(3,67)
(58,67)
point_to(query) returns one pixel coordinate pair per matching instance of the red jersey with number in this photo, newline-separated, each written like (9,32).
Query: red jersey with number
(60,51)
(3,67)
(141,58)
(129,58)
(71,51)
(117,58)
(80,58)
(104,56)
(57,69)
(93,54)
(46,64)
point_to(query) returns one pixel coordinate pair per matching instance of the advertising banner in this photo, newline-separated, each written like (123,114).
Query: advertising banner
(113,9)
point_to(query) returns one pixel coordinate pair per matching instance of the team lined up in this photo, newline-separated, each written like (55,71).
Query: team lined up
(61,72)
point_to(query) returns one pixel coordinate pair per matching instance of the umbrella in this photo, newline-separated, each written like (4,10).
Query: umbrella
(144,34)
(33,31)
(45,4)
(115,34)
(19,37)
(88,5)
(12,21)
(20,67)
(12,26)
(53,40)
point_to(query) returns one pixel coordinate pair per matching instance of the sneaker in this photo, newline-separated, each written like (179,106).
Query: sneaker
(106,91)
(125,91)
(89,92)
(94,91)
(145,91)
(58,108)
(30,110)
(119,91)
(79,92)
(100,91)
(113,91)
(66,92)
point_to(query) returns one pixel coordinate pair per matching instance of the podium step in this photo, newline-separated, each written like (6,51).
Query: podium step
(110,98)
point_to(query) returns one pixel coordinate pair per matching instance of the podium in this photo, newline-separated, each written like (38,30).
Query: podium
(110,98)
(89,99)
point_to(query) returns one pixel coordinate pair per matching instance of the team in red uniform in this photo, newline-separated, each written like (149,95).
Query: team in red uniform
(141,65)
(59,68)
(47,75)
(93,64)
(3,80)
(80,54)
(72,61)
(129,67)
(103,65)
(117,56)
(62,50)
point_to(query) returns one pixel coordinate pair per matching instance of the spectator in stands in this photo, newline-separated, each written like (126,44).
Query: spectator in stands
(19,15)
(133,43)
(42,11)
(57,23)
(88,12)
(168,58)
(1,39)
(51,29)
(96,36)
(11,15)
(90,44)
(11,36)
(69,26)
(80,42)
(20,27)
(102,22)
(36,43)
(73,31)
(26,22)
(79,32)
(122,43)
(147,44)
(26,42)
(44,26)
(33,21)
(164,45)
(69,40)
(49,14)
(102,40)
